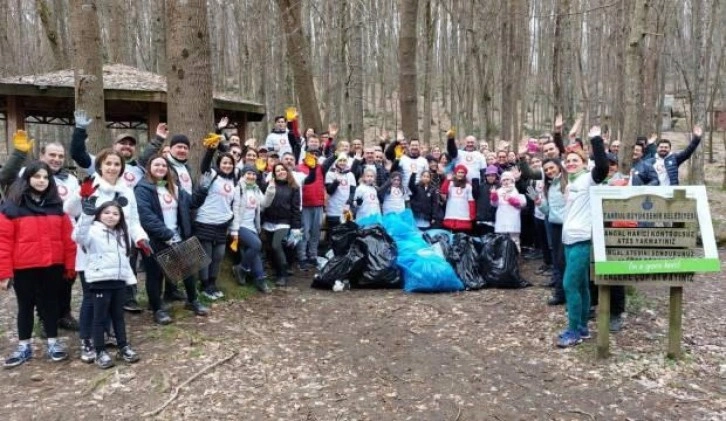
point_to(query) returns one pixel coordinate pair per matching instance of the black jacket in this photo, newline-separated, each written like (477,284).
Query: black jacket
(424,201)
(485,212)
(152,218)
(285,206)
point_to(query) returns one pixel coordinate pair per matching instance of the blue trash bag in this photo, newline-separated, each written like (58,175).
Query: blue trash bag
(426,271)
(376,219)
(401,225)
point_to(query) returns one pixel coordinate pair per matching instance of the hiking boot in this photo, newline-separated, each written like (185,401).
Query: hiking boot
(261,285)
(616,323)
(57,352)
(88,354)
(68,322)
(568,338)
(132,306)
(103,360)
(555,301)
(584,332)
(197,308)
(240,274)
(127,354)
(161,317)
(175,295)
(21,354)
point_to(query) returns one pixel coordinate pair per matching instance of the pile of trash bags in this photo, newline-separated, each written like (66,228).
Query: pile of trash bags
(391,252)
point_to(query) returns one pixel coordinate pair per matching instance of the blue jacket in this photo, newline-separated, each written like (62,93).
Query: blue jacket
(152,218)
(644,174)
(675,159)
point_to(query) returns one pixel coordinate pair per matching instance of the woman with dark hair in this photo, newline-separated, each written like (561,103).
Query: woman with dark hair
(164,211)
(37,252)
(214,202)
(105,185)
(104,235)
(281,217)
(552,205)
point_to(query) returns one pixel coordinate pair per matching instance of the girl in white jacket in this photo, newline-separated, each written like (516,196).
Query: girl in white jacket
(509,204)
(104,236)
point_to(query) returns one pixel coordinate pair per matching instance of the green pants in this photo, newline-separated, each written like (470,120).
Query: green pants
(575,282)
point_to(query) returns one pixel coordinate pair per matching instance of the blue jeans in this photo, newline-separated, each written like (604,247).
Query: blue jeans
(251,252)
(307,248)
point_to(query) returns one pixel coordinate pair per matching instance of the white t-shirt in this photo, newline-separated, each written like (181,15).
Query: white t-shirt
(507,218)
(169,209)
(370,205)
(457,202)
(474,162)
(217,207)
(661,170)
(409,166)
(577,225)
(131,176)
(185,179)
(278,142)
(338,200)
(395,201)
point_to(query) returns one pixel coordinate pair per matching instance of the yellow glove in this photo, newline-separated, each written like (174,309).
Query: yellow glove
(451,133)
(234,244)
(261,164)
(21,141)
(290,113)
(211,141)
(399,150)
(310,160)
(348,215)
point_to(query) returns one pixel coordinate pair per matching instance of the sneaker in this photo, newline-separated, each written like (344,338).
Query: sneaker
(127,354)
(109,340)
(304,266)
(217,293)
(197,308)
(240,274)
(132,306)
(281,282)
(57,352)
(555,301)
(88,354)
(161,317)
(21,354)
(164,306)
(103,360)
(209,294)
(616,323)
(261,285)
(175,295)
(568,338)
(68,322)
(584,332)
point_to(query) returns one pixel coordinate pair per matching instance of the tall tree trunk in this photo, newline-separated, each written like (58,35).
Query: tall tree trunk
(118,46)
(355,64)
(408,96)
(298,54)
(190,104)
(430,31)
(49,21)
(88,69)
(158,34)
(633,82)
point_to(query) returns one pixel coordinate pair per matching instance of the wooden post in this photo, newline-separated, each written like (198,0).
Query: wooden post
(15,118)
(603,321)
(675,311)
(153,120)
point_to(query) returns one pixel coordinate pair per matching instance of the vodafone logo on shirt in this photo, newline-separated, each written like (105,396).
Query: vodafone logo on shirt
(130,177)
(283,141)
(167,198)
(344,182)
(227,187)
(469,158)
(372,197)
(251,202)
(62,191)
(184,177)
(396,193)
(459,191)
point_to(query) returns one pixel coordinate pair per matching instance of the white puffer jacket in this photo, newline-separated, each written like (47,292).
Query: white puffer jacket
(106,258)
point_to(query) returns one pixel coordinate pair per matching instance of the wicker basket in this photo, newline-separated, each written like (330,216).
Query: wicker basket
(183,259)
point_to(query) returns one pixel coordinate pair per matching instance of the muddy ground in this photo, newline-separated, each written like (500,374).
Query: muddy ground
(302,354)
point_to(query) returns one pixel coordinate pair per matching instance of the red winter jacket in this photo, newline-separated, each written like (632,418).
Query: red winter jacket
(314,193)
(34,235)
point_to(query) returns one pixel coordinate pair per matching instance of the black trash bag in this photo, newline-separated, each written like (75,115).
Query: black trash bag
(342,237)
(377,253)
(499,262)
(441,239)
(463,258)
(338,268)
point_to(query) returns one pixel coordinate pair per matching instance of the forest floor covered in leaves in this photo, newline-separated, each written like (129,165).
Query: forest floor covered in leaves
(302,354)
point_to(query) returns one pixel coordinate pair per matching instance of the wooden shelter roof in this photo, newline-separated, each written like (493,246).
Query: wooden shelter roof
(122,85)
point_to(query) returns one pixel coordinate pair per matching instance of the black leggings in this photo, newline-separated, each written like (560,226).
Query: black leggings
(108,304)
(41,288)
(155,279)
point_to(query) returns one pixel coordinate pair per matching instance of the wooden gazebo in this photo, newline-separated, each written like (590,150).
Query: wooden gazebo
(135,99)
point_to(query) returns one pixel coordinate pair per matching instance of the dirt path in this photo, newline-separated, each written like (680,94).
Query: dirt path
(384,355)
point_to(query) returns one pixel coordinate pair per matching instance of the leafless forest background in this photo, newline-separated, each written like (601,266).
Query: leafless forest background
(498,69)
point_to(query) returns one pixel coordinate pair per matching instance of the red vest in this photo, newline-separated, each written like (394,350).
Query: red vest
(313,193)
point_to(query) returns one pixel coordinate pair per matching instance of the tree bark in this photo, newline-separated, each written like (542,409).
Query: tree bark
(430,31)
(298,54)
(190,104)
(408,96)
(88,69)
(355,64)
(49,22)
(633,83)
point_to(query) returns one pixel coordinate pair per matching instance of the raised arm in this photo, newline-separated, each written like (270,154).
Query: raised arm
(79,152)
(600,172)
(154,146)
(683,155)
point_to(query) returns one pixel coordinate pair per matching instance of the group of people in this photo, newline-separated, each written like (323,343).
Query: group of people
(271,202)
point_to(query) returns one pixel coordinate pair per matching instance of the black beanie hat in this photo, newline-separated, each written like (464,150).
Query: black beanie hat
(179,138)
(249,168)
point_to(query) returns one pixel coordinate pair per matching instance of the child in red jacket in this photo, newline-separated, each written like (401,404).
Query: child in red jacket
(37,252)
(460,199)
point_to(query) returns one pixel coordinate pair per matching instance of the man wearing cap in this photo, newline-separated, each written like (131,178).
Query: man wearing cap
(124,144)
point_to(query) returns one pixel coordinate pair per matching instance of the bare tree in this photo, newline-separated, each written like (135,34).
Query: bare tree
(88,69)
(408,96)
(52,32)
(190,104)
